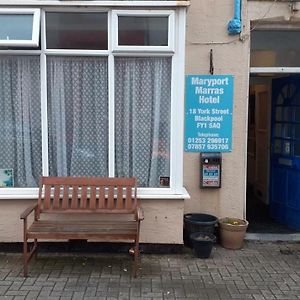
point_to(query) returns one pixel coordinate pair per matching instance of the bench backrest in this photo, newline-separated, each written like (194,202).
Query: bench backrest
(88,194)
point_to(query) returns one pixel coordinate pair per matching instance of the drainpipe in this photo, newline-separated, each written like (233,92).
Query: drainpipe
(234,25)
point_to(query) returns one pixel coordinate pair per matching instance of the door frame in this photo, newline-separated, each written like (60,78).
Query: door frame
(275,71)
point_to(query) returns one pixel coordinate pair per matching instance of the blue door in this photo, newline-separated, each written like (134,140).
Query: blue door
(285,153)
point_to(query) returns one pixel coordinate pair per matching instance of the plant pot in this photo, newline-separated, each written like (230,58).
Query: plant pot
(232,232)
(202,244)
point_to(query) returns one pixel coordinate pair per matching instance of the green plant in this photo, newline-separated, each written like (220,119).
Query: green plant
(233,221)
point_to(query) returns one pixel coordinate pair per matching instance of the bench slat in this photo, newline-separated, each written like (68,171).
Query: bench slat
(93,198)
(88,211)
(110,201)
(74,203)
(47,198)
(66,229)
(128,202)
(102,197)
(56,197)
(83,200)
(83,223)
(65,202)
(120,198)
(82,227)
(83,236)
(73,228)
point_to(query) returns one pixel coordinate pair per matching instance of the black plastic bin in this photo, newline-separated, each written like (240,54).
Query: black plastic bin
(204,223)
(202,243)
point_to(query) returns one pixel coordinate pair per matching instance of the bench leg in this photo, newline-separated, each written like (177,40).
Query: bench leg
(136,258)
(28,255)
(35,247)
(25,259)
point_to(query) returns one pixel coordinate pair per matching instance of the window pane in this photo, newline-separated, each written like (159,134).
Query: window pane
(275,48)
(16,27)
(277,130)
(277,147)
(143,31)
(76,31)
(287,114)
(142,119)
(20,118)
(297,114)
(78,116)
(297,149)
(278,114)
(287,131)
(279,100)
(297,131)
(296,98)
(286,147)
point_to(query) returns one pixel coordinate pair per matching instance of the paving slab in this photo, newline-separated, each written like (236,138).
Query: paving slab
(261,270)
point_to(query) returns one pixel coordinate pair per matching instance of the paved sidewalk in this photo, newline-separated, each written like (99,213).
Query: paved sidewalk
(259,271)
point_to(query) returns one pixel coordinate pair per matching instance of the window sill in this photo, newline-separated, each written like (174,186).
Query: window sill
(162,3)
(32,193)
(184,195)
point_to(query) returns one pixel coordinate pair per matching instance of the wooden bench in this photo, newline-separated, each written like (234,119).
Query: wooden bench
(88,208)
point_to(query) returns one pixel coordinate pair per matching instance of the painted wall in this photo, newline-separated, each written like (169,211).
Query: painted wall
(272,11)
(162,224)
(207,29)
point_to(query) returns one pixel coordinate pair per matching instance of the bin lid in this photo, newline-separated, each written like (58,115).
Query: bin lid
(199,218)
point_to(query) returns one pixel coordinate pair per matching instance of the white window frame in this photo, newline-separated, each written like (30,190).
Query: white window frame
(143,13)
(34,42)
(175,50)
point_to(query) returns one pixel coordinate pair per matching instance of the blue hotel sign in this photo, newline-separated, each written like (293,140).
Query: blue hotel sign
(208,113)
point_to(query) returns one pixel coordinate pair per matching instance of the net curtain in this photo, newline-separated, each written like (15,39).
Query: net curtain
(20,119)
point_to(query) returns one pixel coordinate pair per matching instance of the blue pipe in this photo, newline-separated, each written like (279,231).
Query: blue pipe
(234,25)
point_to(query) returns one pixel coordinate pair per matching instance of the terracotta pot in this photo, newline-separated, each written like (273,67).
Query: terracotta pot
(232,235)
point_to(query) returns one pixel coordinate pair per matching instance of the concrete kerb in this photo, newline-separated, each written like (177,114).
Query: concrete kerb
(273,237)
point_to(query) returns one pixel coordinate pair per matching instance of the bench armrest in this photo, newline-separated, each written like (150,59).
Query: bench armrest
(28,211)
(139,214)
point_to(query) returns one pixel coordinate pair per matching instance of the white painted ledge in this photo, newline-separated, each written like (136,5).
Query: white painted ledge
(88,3)
(273,237)
(271,70)
(32,193)
(184,195)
